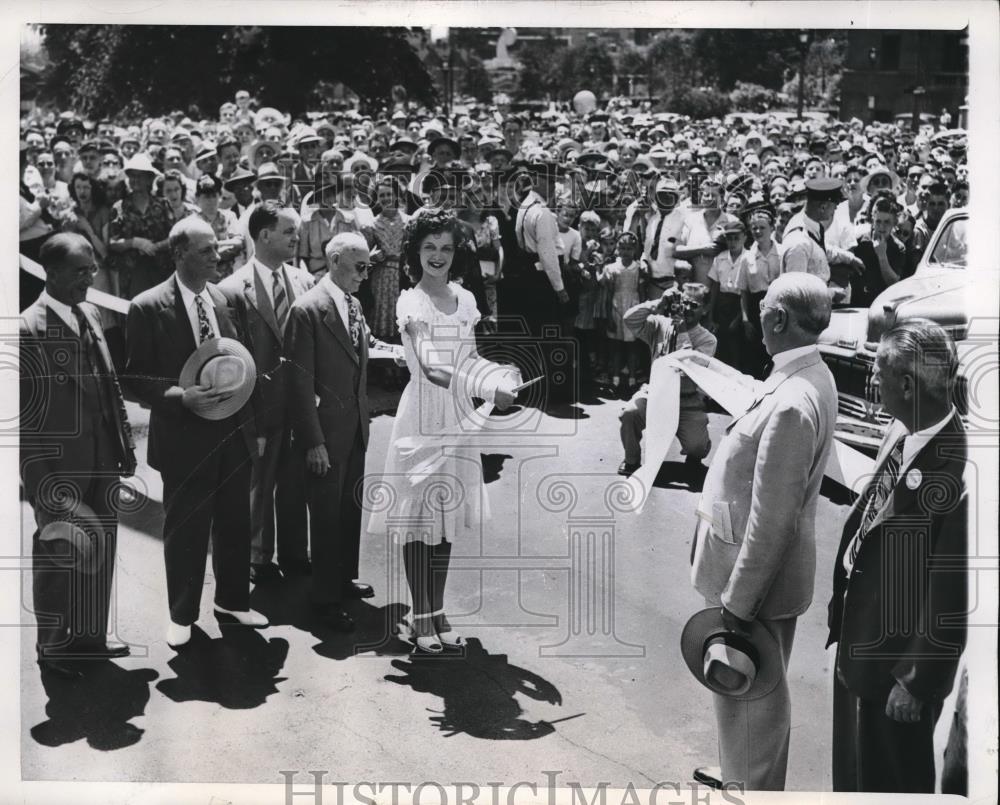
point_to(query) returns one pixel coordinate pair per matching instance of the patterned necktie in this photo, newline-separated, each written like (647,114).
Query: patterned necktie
(204,325)
(280,299)
(879,493)
(354,321)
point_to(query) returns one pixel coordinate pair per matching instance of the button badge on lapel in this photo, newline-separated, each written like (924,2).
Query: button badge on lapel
(913,479)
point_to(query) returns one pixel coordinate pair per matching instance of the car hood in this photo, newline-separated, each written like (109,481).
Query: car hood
(937,294)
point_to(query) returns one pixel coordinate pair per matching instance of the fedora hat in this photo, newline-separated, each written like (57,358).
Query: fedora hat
(74,540)
(738,667)
(439,141)
(240,176)
(259,144)
(226,365)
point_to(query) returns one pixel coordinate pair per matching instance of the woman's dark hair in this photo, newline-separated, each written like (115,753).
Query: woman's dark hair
(208,185)
(884,204)
(431,222)
(98,192)
(174,175)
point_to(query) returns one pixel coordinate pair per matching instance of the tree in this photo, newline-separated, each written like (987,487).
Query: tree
(586,66)
(475,79)
(698,102)
(145,69)
(748,97)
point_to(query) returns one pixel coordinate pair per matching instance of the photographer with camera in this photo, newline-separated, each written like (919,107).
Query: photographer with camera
(667,324)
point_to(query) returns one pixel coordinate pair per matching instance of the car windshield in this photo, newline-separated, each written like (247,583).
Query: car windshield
(951,247)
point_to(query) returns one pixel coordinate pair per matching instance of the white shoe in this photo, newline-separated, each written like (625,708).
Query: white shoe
(246,617)
(178,635)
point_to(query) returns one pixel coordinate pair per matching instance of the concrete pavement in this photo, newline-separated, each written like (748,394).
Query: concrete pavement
(574,610)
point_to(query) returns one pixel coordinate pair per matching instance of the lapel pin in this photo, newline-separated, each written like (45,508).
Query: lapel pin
(913,479)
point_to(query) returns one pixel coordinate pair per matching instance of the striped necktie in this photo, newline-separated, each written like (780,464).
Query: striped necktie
(205,330)
(354,322)
(878,494)
(280,298)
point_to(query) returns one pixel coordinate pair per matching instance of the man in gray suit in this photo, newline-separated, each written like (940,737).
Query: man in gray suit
(754,552)
(261,293)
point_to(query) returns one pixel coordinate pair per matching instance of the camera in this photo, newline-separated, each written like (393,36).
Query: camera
(676,305)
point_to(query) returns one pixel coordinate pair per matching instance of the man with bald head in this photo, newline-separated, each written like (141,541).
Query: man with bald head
(326,345)
(205,464)
(754,552)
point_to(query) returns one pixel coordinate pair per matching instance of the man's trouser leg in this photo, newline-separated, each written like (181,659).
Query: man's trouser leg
(692,428)
(633,422)
(754,735)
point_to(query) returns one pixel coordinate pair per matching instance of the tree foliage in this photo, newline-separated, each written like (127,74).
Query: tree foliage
(146,69)
(747,97)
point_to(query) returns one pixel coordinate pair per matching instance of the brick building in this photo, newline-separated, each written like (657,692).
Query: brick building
(882,69)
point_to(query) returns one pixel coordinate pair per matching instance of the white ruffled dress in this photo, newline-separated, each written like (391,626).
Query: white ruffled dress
(432,486)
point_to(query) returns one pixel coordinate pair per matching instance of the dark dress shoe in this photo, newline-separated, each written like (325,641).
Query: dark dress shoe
(264,574)
(708,775)
(108,651)
(356,589)
(296,567)
(335,618)
(627,469)
(59,669)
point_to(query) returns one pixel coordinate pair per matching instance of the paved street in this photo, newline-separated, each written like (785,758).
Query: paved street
(572,668)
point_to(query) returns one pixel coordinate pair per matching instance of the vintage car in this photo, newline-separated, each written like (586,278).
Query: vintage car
(935,291)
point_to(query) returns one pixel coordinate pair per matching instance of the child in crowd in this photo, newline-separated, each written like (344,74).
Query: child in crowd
(621,278)
(591,262)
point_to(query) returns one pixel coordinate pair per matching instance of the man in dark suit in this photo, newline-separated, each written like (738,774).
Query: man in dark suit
(75,444)
(261,293)
(898,608)
(326,344)
(205,464)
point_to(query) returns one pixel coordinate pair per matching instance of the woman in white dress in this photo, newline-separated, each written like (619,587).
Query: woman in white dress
(432,488)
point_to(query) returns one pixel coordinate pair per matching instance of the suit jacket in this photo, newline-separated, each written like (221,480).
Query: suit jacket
(64,406)
(901,616)
(251,304)
(159,340)
(759,557)
(327,379)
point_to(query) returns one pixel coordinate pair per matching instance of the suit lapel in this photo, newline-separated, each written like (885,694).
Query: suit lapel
(223,313)
(185,336)
(100,343)
(925,468)
(339,327)
(51,321)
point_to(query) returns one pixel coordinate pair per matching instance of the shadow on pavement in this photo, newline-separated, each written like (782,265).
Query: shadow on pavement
(478,692)
(287,604)
(99,707)
(677,475)
(237,671)
(493,466)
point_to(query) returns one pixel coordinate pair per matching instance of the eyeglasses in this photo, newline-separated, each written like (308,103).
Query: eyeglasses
(45,164)
(86,271)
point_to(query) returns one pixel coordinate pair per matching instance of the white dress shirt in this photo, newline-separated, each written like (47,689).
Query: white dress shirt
(789,355)
(188,297)
(62,310)
(339,299)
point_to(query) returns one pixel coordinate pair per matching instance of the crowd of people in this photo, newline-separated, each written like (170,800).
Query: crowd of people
(710,201)
(304,245)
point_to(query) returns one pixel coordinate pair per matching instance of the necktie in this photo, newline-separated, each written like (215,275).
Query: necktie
(204,325)
(354,321)
(879,493)
(280,299)
(656,237)
(113,392)
(822,237)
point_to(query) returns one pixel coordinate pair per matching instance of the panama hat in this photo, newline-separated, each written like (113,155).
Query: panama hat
(74,540)
(727,663)
(140,163)
(225,365)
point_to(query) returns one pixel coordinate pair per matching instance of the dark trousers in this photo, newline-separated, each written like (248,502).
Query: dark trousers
(277,486)
(211,501)
(335,523)
(873,753)
(72,606)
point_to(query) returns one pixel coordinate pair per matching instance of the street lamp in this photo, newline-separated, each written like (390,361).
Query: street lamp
(441,36)
(804,37)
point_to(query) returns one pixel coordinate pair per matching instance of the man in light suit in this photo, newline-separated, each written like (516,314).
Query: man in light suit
(75,443)
(205,464)
(326,344)
(898,611)
(754,552)
(261,293)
